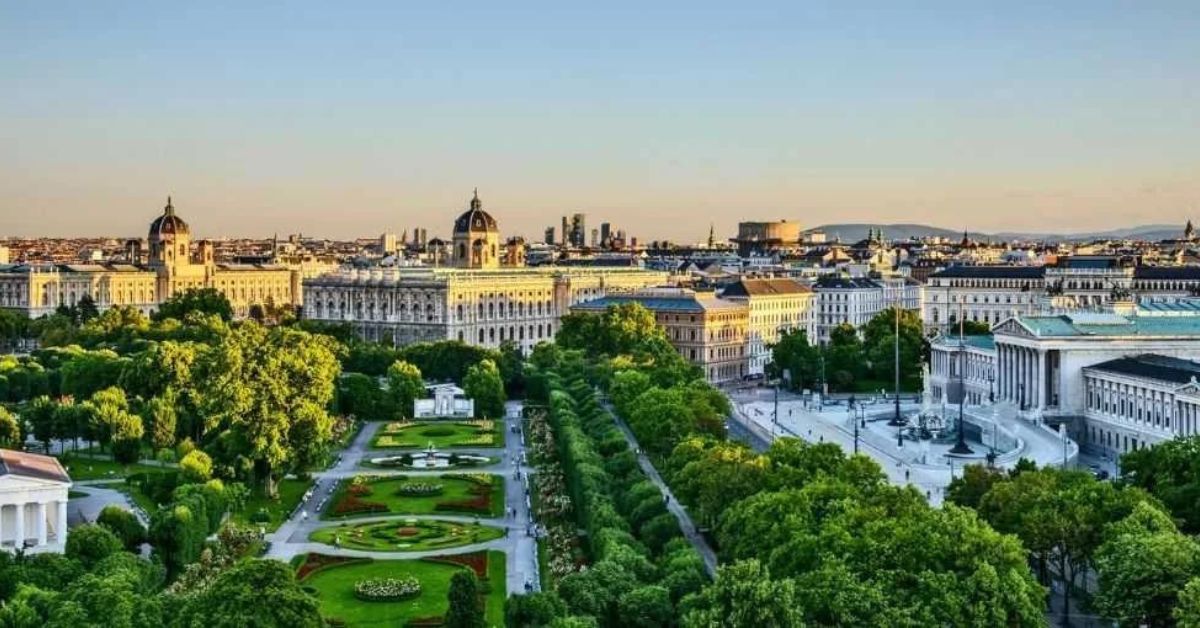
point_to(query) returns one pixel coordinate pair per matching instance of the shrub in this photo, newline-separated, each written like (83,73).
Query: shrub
(196,466)
(90,543)
(124,524)
(419,489)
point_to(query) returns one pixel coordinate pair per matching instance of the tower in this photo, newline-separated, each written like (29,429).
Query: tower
(476,238)
(170,239)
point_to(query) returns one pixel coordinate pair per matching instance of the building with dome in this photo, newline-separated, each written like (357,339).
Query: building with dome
(484,295)
(171,264)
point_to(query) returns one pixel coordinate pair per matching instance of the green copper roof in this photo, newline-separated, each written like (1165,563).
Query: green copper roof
(1112,325)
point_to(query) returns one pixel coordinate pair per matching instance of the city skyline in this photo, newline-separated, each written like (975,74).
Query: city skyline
(352,123)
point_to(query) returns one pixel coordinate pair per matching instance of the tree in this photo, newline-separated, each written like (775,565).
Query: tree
(465,611)
(744,596)
(266,392)
(1187,611)
(533,610)
(109,406)
(484,386)
(661,418)
(844,358)
(90,543)
(879,339)
(1143,567)
(404,386)
(124,525)
(160,413)
(647,607)
(127,432)
(1169,471)
(801,360)
(196,466)
(86,308)
(10,430)
(203,300)
(252,594)
(969,489)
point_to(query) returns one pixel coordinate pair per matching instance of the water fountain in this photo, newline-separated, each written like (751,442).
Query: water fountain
(430,458)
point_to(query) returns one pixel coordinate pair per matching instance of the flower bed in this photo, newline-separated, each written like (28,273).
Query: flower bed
(475,561)
(420,489)
(316,562)
(387,589)
(353,505)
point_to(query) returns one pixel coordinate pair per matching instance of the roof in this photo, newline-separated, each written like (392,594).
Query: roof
(764,287)
(1101,324)
(168,223)
(1180,307)
(839,282)
(986,342)
(475,219)
(20,463)
(1152,366)
(687,303)
(1167,272)
(991,272)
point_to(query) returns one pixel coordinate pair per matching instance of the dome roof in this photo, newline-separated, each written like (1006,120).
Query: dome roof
(168,223)
(475,219)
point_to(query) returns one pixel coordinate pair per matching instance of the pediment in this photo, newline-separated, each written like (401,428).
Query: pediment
(1190,389)
(1012,327)
(14,482)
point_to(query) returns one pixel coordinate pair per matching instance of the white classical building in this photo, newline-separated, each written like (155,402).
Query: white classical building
(1138,401)
(969,360)
(33,502)
(445,401)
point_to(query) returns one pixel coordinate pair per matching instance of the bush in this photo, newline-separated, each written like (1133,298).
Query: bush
(124,524)
(196,466)
(90,543)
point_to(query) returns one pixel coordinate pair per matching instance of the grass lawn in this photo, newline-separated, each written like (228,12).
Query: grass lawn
(291,490)
(80,468)
(406,535)
(458,496)
(442,434)
(334,587)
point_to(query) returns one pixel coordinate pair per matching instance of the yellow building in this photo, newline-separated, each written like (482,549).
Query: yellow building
(709,332)
(477,301)
(172,266)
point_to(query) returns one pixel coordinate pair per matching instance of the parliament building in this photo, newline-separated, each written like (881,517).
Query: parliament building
(169,267)
(484,297)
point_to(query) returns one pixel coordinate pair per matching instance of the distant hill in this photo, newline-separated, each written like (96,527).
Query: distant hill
(853,232)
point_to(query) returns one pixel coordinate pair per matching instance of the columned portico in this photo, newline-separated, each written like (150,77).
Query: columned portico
(33,502)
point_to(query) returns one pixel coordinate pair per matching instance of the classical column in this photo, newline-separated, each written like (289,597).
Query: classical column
(41,523)
(60,531)
(1,524)
(19,532)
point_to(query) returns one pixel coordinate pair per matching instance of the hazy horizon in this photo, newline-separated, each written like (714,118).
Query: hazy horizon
(350,121)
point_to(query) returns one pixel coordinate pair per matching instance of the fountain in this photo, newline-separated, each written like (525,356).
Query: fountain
(431,458)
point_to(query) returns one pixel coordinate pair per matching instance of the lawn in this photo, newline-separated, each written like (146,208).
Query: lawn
(80,468)
(405,535)
(478,494)
(441,434)
(291,490)
(334,587)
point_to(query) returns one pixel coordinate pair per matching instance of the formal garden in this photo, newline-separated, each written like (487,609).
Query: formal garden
(477,494)
(440,434)
(405,535)
(368,592)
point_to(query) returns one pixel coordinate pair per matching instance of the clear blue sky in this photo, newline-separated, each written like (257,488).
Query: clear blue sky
(352,118)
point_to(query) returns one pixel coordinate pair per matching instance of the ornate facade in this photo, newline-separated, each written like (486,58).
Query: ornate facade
(478,301)
(172,265)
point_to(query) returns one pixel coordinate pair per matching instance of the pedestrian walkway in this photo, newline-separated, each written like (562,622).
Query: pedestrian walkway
(685,520)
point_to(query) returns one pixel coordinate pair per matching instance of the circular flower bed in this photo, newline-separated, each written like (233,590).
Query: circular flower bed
(419,489)
(387,589)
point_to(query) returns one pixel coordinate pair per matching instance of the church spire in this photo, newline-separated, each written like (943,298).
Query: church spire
(169,209)
(475,202)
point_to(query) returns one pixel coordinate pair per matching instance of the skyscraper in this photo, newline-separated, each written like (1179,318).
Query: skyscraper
(579,230)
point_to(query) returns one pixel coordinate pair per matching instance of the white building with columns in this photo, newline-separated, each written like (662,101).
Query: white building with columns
(33,502)
(970,360)
(1139,401)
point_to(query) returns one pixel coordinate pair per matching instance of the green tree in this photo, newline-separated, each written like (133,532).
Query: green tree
(1187,611)
(1143,567)
(90,543)
(10,430)
(124,525)
(969,488)
(801,360)
(466,609)
(196,466)
(483,384)
(86,308)
(404,386)
(844,358)
(40,416)
(647,607)
(160,413)
(744,596)
(1170,471)
(266,392)
(879,339)
(533,610)
(252,594)
(661,418)
(127,432)
(203,300)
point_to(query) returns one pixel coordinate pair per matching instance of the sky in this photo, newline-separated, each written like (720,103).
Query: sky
(345,119)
